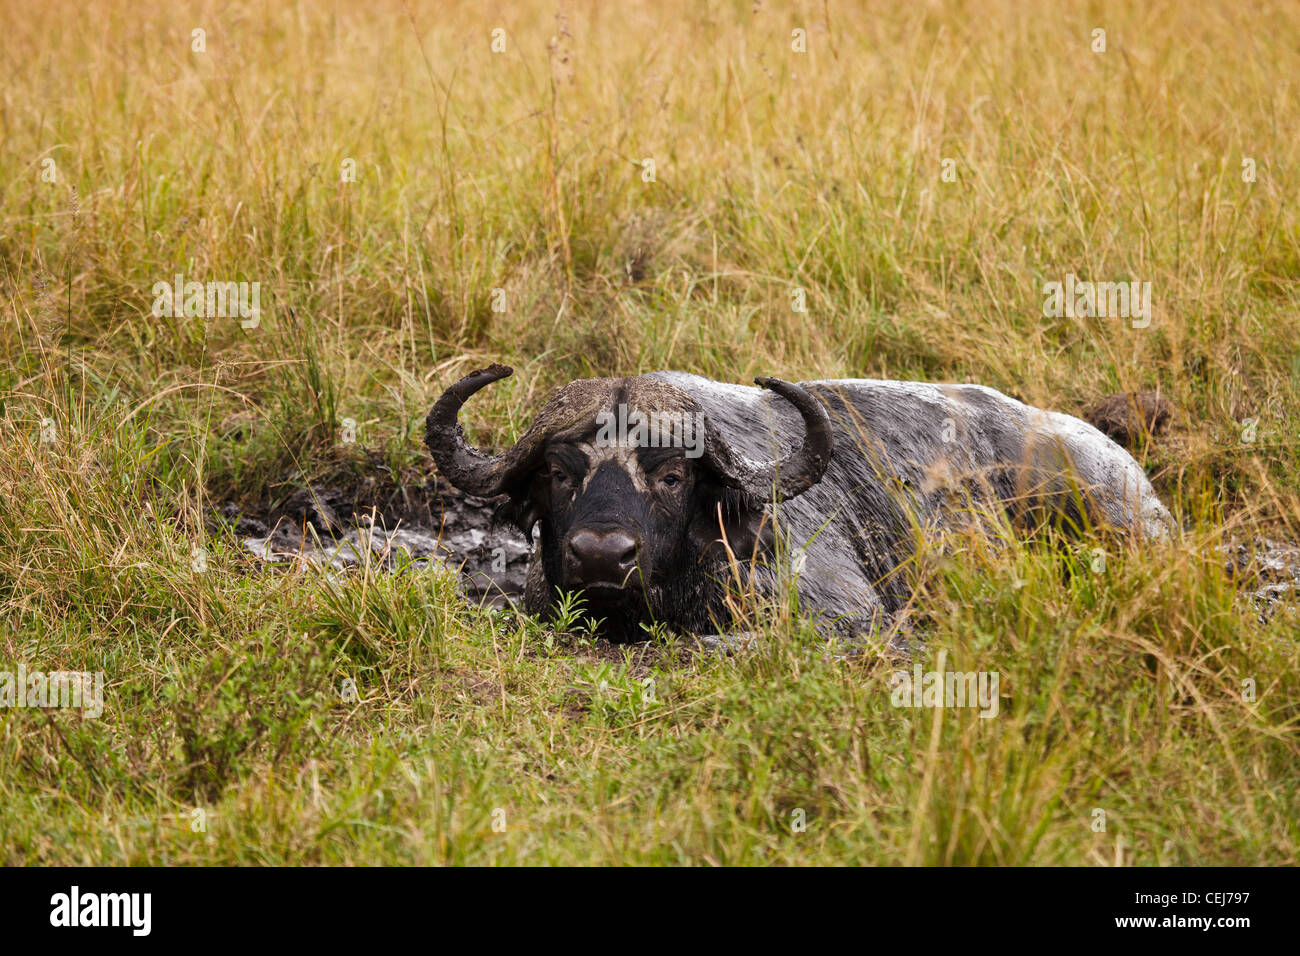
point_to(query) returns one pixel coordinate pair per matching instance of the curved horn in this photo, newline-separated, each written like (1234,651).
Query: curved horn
(796,472)
(467,468)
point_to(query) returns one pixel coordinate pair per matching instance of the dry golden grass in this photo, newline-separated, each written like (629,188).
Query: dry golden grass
(518,178)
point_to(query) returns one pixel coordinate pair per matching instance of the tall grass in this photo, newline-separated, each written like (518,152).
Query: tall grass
(502,210)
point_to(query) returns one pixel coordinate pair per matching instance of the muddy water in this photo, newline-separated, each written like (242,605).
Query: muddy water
(457,530)
(451,529)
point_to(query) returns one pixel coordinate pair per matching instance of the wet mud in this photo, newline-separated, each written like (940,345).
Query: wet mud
(412,521)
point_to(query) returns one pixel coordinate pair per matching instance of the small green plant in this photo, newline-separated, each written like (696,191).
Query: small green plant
(570,614)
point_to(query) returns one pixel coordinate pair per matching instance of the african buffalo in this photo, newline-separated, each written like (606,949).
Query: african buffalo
(651,493)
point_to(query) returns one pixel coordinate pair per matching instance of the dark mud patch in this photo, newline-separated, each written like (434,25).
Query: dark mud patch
(641,658)
(365,512)
(1131,418)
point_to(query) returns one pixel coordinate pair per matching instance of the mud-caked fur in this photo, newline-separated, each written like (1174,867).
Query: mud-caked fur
(909,460)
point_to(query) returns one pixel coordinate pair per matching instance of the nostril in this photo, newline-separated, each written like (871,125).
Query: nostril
(626,549)
(580,545)
(587,544)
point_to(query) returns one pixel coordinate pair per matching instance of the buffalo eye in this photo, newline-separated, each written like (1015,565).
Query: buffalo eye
(670,478)
(557,475)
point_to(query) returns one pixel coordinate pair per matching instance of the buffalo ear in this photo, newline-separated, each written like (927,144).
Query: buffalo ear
(747,529)
(524,507)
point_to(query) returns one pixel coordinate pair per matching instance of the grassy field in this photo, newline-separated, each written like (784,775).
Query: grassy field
(622,188)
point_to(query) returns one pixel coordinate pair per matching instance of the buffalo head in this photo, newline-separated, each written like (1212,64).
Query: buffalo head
(636,495)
